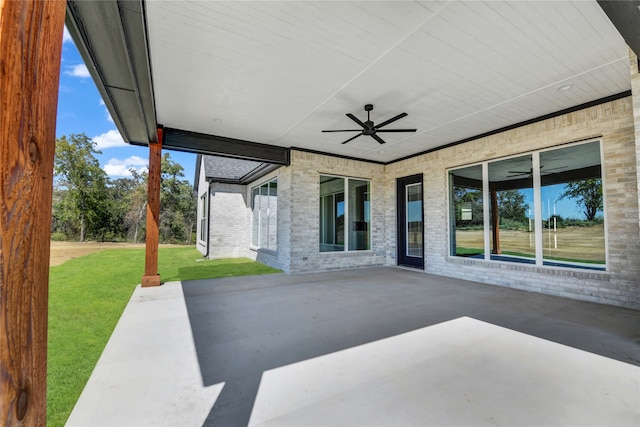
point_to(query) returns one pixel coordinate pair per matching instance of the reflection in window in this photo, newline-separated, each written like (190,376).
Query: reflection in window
(264,203)
(572,206)
(414,220)
(566,228)
(358,215)
(467,222)
(342,198)
(511,209)
(331,214)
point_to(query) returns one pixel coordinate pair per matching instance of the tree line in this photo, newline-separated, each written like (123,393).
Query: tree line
(512,206)
(88,205)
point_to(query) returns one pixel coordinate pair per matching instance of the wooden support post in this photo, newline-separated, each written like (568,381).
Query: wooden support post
(495,221)
(151,276)
(30,48)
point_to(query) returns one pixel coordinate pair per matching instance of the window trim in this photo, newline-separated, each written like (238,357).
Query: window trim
(539,257)
(204,220)
(258,246)
(406,225)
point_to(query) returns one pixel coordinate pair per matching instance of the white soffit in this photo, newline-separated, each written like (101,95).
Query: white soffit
(280,72)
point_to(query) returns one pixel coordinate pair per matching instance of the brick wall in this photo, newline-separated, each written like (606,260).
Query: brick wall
(635,90)
(305,170)
(229,230)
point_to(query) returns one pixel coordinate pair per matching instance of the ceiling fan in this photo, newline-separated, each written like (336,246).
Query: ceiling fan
(530,172)
(371,129)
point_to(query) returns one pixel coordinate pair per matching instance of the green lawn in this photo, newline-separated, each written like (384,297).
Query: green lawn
(86,298)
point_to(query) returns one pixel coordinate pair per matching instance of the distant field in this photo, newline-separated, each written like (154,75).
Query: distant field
(577,243)
(64,251)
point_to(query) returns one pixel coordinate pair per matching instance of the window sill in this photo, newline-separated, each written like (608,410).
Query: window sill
(580,273)
(347,253)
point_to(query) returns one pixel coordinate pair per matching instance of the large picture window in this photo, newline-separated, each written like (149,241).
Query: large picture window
(264,204)
(543,208)
(345,215)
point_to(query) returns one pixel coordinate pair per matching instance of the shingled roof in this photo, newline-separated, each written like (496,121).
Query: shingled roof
(230,170)
(227,168)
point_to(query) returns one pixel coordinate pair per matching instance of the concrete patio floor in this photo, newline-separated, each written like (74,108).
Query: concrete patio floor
(379,346)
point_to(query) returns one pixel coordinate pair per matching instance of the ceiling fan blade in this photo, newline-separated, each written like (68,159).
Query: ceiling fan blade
(520,172)
(355,119)
(396,130)
(377,138)
(391,120)
(351,139)
(344,130)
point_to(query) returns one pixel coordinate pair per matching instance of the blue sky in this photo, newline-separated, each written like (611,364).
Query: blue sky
(81,109)
(550,194)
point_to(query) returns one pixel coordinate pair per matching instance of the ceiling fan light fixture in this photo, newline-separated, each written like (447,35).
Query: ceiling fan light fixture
(369,128)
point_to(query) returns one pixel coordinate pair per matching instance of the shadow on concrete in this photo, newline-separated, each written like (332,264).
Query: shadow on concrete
(243,326)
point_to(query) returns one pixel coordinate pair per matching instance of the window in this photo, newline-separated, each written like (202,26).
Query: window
(543,208)
(203,217)
(467,219)
(264,205)
(345,215)
(511,208)
(413,226)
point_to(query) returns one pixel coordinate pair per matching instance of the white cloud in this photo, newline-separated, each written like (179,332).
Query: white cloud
(109,118)
(109,139)
(120,168)
(79,70)
(66,37)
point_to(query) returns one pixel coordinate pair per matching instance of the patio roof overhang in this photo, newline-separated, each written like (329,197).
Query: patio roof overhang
(232,78)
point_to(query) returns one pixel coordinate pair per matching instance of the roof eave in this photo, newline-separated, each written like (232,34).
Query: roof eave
(112,40)
(624,15)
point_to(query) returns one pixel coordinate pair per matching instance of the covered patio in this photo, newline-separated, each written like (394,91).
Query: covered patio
(381,346)
(261,81)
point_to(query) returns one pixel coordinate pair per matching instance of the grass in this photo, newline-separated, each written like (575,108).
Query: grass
(460,251)
(86,298)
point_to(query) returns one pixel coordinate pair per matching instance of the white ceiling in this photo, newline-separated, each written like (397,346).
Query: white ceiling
(280,72)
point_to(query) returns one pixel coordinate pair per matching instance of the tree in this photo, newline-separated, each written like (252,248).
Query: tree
(86,203)
(136,204)
(177,203)
(512,205)
(588,195)
(82,186)
(121,192)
